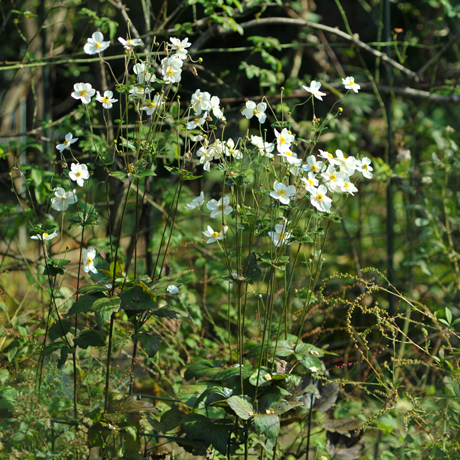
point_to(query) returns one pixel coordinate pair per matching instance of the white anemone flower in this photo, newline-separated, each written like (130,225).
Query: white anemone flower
(106,100)
(196,202)
(314,89)
(173,289)
(129,44)
(265,148)
(220,207)
(364,166)
(83,91)
(139,92)
(333,179)
(171,69)
(79,173)
(284,139)
(45,236)
(144,77)
(215,236)
(201,101)
(347,164)
(290,158)
(62,199)
(427,180)
(349,83)
(313,165)
(282,193)
(348,187)
(198,121)
(257,110)
(179,46)
(153,104)
(206,154)
(214,106)
(231,151)
(320,200)
(310,182)
(329,157)
(88,260)
(96,44)
(280,236)
(69,140)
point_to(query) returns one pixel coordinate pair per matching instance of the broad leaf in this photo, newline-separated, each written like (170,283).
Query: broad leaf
(242,406)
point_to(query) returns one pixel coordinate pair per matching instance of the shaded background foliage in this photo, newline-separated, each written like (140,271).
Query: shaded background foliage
(41,58)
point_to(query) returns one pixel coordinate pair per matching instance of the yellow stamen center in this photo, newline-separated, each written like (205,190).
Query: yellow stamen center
(83,93)
(215,234)
(289,154)
(78,174)
(281,235)
(46,235)
(319,197)
(314,168)
(330,155)
(106,100)
(282,140)
(220,207)
(281,192)
(365,166)
(89,261)
(255,112)
(333,176)
(97,45)
(310,181)
(152,104)
(170,72)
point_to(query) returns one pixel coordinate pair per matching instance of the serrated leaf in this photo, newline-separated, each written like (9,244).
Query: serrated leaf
(242,406)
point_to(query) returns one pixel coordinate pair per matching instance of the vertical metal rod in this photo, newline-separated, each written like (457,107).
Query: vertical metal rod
(391,161)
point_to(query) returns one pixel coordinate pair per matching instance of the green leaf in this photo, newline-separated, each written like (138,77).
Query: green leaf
(189,394)
(261,378)
(448,315)
(150,342)
(268,427)
(84,304)
(92,289)
(197,369)
(60,329)
(8,397)
(89,338)
(64,353)
(242,406)
(214,432)
(137,298)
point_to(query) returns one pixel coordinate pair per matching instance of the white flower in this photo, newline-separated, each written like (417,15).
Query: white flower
(217,149)
(314,89)
(144,77)
(83,91)
(310,183)
(291,158)
(79,173)
(348,187)
(107,100)
(45,236)
(230,150)
(63,199)
(171,69)
(219,207)
(347,164)
(215,107)
(196,202)
(96,44)
(282,193)
(179,46)
(206,155)
(88,260)
(427,180)
(201,101)
(280,236)
(153,104)
(265,148)
(319,199)
(69,140)
(130,43)
(364,166)
(333,178)
(139,92)
(172,289)
(214,236)
(313,165)
(196,122)
(403,155)
(349,83)
(257,110)
(329,157)
(284,140)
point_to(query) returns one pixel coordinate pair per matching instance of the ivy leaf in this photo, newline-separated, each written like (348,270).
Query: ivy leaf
(242,406)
